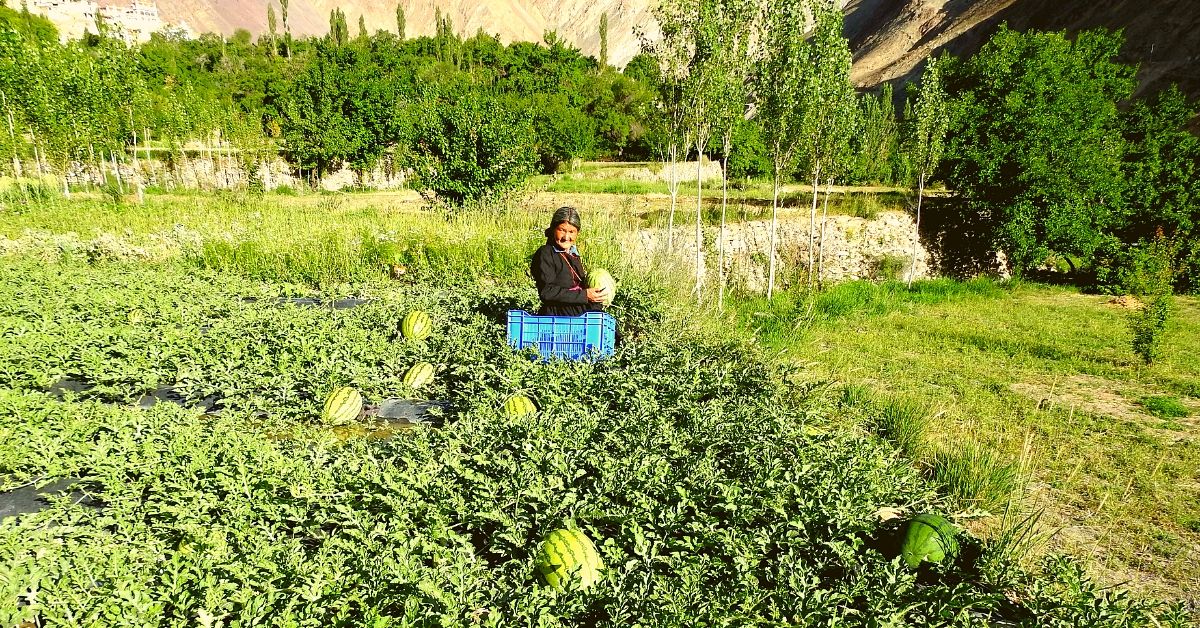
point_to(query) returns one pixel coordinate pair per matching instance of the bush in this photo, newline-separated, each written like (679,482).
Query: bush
(1152,279)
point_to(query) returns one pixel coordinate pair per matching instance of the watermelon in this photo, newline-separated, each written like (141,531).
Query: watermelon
(928,537)
(519,406)
(341,406)
(601,278)
(568,555)
(419,375)
(416,325)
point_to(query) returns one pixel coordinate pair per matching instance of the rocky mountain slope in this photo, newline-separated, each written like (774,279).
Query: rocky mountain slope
(892,37)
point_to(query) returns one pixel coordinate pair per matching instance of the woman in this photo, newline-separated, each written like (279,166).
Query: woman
(559,273)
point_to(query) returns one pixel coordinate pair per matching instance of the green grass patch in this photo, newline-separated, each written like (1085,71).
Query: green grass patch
(903,421)
(1164,407)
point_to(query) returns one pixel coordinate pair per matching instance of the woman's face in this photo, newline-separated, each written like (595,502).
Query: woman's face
(564,235)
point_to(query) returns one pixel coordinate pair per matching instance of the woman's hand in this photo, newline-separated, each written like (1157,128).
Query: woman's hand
(595,295)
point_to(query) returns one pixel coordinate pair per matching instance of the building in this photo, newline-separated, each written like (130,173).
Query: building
(133,20)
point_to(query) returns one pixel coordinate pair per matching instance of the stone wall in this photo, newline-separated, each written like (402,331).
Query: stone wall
(854,248)
(222,172)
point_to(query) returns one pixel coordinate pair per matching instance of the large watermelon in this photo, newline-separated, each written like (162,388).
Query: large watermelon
(600,278)
(419,375)
(928,537)
(416,325)
(568,555)
(519,406)
(341,406)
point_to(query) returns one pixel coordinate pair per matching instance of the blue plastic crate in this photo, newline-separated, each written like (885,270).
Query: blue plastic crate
(570,337)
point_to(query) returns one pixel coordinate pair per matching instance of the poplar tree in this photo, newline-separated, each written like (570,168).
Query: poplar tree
(826,108)
(400,21)
(672,52)
(779,82)
(729,98)
(271,26)
(931,120)
(287,31)
(604,41)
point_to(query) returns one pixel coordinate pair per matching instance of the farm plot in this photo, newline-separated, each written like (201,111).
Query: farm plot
(717,490)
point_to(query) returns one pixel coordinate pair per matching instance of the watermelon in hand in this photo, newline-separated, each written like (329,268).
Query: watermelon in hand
(600,278)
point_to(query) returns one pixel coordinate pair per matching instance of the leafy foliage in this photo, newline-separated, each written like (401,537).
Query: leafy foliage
(1035,149)
(471,149)
(712,486)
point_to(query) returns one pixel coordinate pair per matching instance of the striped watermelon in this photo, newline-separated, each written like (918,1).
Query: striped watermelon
(601,278)
(341,406)
(568,555)
(519,406)
(928,538)
(416,325)
(419,375)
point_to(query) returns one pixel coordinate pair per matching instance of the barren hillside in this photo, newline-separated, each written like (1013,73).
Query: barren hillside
(892,37)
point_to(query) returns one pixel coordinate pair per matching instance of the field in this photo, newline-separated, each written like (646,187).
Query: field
(731,474)
(1044,377)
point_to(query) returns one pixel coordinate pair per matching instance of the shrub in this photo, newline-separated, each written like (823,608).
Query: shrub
(471,149)
(1153,282)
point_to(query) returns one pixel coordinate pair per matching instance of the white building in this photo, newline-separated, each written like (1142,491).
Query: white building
(70,17)
(132,20)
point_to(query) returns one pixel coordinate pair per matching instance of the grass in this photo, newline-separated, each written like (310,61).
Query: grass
(974,475)
(317,239)
(1019,366)
(1164,406)
(904,421)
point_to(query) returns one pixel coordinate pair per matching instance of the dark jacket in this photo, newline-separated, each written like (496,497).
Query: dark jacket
(562,292)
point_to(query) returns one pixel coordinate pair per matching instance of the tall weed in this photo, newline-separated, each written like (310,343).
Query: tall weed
(974,475)
(905,422)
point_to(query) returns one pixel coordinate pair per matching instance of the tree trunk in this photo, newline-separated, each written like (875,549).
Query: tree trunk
(812,222)
(774,223)
(821,246)
(12,136)
(674,189)
(721,240)
(699,220)
(912,268)
(96,166)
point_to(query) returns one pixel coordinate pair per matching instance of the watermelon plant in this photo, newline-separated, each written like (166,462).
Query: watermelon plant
(718,491)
